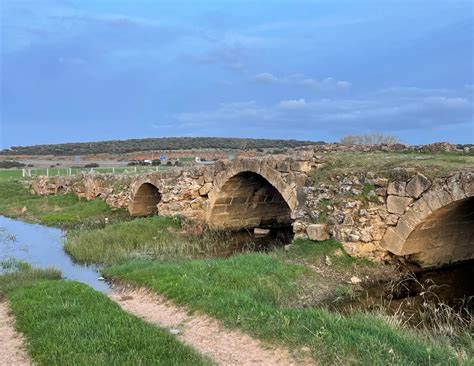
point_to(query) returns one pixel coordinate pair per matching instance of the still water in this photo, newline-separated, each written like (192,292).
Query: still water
(42,247)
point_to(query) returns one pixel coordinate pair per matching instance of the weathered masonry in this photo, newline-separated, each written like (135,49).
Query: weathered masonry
(429,221)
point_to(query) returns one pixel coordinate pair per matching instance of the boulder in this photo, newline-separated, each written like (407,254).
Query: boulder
(317,232)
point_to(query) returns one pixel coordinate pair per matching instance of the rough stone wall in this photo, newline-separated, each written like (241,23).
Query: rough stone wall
(368,213)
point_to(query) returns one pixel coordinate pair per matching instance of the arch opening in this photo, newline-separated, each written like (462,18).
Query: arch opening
(444,237)
(248,201)
(146,199)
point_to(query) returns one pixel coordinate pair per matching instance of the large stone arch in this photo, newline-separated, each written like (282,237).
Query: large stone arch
(250,194)
(438,228)
(145,197)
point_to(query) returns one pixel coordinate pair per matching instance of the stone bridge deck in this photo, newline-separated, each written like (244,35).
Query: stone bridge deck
(406,214)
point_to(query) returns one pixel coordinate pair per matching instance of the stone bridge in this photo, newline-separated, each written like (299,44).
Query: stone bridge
(403,213)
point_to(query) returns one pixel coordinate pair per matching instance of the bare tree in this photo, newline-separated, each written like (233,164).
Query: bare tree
(374,138)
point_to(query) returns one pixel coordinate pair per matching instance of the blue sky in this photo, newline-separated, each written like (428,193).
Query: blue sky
(97,70)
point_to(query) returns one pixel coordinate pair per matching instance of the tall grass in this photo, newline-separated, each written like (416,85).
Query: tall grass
(145,238)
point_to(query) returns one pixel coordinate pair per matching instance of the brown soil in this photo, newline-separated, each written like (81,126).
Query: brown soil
(12,351)
(208,336)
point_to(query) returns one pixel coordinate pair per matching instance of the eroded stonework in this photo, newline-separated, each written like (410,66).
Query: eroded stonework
(372,215)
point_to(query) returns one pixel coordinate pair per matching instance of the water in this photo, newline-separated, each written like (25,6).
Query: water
(242,241)
(42,247)
(452,286)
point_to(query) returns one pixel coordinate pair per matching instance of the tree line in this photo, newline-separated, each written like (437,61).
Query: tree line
(147,144)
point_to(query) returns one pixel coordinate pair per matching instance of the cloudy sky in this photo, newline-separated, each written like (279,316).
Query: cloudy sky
(94,70)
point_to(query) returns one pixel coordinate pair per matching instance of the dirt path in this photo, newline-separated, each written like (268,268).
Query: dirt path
(208,336)
(12,351)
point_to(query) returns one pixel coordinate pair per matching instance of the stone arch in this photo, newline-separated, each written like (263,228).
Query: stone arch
(145,199)
(438,228)
(249,194)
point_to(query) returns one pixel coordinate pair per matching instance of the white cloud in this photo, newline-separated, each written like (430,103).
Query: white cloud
(265,77)
(325,84)
(375,112)
(293,104)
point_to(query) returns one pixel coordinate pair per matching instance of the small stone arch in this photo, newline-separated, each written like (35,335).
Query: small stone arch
(249,194)
(145,199)
(438,228)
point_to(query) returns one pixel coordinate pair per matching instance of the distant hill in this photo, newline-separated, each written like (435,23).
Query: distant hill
(162,143)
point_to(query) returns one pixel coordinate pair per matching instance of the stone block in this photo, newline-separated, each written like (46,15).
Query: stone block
(205,189)
(318,232)
(304,154)
(301,166)
(397,188)
(417,185)
(398,205)
(283,166)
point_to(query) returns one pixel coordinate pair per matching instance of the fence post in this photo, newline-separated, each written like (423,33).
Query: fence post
(113,170)
(135,168)
(47,172)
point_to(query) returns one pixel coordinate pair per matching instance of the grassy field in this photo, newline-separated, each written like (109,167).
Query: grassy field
(432,165)
(34,172)
(268,308)
(68,323)
(65,210)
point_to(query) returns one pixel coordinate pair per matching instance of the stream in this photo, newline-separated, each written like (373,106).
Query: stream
(42,247)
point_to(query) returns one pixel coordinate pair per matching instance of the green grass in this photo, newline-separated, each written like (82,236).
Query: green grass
(18,173)
(68,323)
(254,292)
(149,238)
(432,165)
(59,210)
(15,274)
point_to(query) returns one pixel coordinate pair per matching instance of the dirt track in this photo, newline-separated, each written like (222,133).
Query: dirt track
(206,335)
(12,351)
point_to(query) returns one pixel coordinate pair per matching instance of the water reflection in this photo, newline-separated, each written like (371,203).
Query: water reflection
(42,247)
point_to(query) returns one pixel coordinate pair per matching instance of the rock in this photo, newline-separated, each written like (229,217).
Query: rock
(318,232)
(398,205)
(205,189)
(288,246)
(23,210)
(328,260)
(100,278)
(397,188)
(261,232)
(355,280)
(283,166)
(353,237)
(298,227)
(417,185)
(304,154)
(174,331)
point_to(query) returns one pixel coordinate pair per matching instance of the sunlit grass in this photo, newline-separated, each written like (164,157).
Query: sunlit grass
(68,323)
(254,292)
